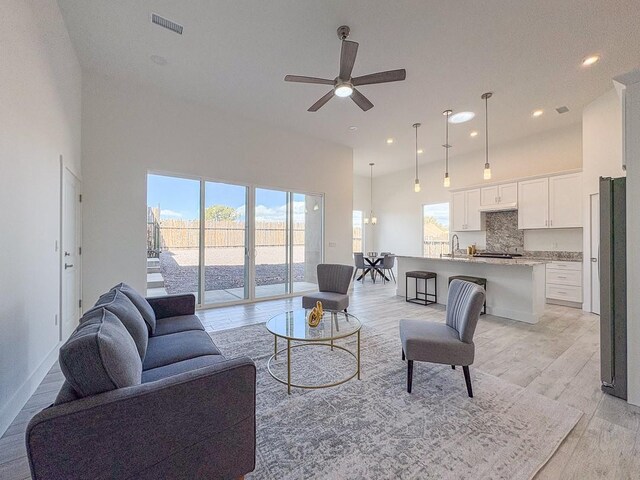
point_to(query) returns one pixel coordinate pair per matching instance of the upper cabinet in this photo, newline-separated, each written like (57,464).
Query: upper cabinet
(565,201)
(465,211)
(553,202)
(533,204)
(499,195)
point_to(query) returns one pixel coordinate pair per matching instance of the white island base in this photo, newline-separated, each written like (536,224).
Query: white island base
(515,288)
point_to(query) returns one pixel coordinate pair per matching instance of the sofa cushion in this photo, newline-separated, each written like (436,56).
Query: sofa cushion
(175,347)
(100,355)
(180,367)
(141,304)
(119,304)
(330,300)
(182,323)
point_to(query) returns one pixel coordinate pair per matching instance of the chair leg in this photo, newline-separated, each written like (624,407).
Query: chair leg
(453,367)
(409,375)
(467,378)
(403,357)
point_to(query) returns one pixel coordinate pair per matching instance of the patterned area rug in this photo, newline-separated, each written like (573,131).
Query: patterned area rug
(373,429)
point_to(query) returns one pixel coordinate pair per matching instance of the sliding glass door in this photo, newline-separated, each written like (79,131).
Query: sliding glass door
(272,240)
(230,243)
(225,243)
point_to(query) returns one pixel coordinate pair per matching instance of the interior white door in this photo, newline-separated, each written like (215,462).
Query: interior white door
(595,253)
(70,255)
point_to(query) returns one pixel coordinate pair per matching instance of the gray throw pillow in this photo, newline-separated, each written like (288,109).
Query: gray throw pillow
(100,355)
(119,304)
(141,304)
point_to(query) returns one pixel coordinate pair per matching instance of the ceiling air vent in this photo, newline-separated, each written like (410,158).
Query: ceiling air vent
(563,109)
(168,24)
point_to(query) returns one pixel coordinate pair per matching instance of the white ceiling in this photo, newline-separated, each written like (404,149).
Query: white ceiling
(234,54)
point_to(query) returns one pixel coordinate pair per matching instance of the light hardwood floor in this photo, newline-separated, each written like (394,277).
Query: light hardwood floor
(558,358)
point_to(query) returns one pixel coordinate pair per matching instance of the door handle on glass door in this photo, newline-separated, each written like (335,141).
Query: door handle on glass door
(68,265)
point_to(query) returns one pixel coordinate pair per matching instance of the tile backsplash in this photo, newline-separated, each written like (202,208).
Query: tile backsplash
(502,232)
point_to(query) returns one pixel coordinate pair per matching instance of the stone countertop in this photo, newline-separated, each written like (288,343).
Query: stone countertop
(518,261)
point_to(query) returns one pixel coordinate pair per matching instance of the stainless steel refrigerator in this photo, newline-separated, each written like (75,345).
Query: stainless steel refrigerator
(613,286)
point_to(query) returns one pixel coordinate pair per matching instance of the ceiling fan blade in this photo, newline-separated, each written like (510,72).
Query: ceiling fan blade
(381,77)
(301,79)
(362,101)
(316,106)
(347,58)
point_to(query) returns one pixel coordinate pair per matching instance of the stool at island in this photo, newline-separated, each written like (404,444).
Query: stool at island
(478,281)
(422,298)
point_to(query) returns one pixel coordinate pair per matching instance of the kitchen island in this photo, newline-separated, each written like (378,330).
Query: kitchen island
(515,287)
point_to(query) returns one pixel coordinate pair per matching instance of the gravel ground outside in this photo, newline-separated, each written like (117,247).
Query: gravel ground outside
(224,268)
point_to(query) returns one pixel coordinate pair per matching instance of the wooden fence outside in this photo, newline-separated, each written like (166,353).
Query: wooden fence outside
(224,234)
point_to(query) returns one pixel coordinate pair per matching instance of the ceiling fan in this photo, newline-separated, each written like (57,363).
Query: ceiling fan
(343,84)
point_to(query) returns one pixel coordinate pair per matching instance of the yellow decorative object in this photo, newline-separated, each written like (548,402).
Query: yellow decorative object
(319,308)
(314,318)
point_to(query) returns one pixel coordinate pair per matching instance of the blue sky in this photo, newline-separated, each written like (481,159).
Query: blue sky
(180,198)
(440,211)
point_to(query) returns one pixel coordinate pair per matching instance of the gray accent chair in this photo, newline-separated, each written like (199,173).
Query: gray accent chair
(333,286)
(450,343)
(147,395)
(388,262)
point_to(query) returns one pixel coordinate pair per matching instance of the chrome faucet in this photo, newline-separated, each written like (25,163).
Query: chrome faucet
(457,245)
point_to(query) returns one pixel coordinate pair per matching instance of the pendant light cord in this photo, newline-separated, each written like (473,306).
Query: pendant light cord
(416,127)
(486,129)
(446,145)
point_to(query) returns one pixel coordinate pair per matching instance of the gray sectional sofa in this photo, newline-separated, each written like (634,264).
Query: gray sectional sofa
(147,395)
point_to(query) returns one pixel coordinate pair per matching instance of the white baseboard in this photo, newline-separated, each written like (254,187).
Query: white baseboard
(9,411)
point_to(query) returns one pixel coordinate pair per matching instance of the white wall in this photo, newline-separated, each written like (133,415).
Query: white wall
(399,208)
(362,202)
(601,157)
(129,130)
(40,81)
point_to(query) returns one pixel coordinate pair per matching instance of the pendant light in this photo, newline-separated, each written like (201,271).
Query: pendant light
(487,167)
(416,186)
(447,181)
(374,220)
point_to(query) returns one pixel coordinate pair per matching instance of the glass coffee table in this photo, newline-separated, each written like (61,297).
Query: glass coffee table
(293,327)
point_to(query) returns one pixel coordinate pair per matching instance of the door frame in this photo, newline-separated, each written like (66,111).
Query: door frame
(64,170)
(592,197)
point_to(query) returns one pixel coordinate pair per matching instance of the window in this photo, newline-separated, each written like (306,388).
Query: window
(435,229)
(357,231)
(230,243)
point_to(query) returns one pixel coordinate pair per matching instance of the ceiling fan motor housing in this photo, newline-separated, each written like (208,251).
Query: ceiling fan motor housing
(343,32)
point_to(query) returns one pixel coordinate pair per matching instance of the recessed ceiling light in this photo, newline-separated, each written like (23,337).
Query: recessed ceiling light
(420,151)
(473,134)
(158,60)
(461,117)
(390,141)
(537,113)
(591,60)
(353,128)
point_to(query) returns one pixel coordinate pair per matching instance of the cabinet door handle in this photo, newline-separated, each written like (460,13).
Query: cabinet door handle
(550,223)
(546,223)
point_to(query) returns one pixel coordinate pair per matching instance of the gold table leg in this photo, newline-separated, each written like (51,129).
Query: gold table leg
(288,366)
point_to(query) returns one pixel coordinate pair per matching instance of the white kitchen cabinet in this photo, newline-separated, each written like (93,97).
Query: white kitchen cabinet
(564,282)
(465,211)
(565,201)
(533,204)
(552,202)
(496,195)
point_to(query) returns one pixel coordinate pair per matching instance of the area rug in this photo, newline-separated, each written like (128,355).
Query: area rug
(373,429)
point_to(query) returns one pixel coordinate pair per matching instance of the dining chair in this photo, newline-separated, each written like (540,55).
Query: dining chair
(359,264)
(388,262)
(449,343)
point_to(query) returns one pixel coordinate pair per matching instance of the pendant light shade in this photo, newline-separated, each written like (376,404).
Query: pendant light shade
(371,218)
(447,181)
(416,186)
(487,167)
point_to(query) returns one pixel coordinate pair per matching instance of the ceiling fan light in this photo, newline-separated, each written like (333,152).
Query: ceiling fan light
(343,90)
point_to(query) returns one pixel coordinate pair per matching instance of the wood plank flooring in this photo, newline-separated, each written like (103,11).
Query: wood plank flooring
(558,358)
